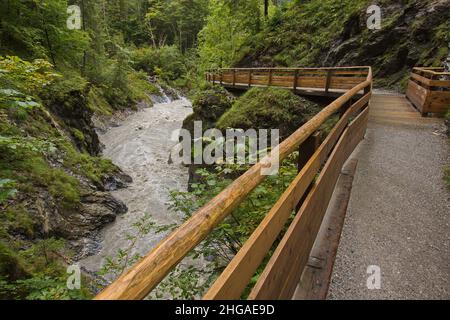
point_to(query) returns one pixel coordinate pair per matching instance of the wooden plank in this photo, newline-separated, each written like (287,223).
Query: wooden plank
(417,95)
(315,279)
(234,279)
(439,102)
(421,79)
(281,275)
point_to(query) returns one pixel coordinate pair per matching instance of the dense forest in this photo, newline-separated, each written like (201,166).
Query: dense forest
(57,83)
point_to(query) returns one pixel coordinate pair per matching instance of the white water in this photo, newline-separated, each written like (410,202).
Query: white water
(140,146)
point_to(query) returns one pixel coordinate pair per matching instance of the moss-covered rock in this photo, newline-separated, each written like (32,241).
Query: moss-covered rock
(208,104)
(269,108)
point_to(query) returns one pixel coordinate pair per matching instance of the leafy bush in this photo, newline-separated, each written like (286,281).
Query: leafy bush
(166,62)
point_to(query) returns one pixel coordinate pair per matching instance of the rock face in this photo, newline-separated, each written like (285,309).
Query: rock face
(96,207)
(407,38)
(412,33)
(95,210)
(72,109)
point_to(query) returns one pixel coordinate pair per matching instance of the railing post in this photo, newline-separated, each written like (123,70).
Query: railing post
(295,80)
(234,77)
(307,149)
(328,83)
(249,78)
(221,77)
(345,107)
(305,152)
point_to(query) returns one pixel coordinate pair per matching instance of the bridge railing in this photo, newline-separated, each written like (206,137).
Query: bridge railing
(429,90)
(310,191)
(297,79)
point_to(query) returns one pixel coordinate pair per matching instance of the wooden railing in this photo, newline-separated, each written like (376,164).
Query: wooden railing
(282,272)
(300,80)
(429,90)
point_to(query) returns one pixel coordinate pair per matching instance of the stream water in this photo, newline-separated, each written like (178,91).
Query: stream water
(140,146)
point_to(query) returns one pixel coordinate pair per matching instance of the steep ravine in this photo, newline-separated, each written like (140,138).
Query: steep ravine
(140,146)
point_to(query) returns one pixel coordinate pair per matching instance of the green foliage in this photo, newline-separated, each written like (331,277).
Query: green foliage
(28,76)
(166,62)
(268,108)
(42,287)
(19,81)
(228,27)
(298,33)
(38,29)
(7,189)
(35,273)
(24,162)
(175,22)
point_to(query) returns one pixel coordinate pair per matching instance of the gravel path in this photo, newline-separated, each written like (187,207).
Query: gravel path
(398,215)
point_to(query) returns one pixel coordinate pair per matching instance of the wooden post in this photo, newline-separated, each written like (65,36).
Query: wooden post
(249,78)
(345,107)
(234,77)
(295,80)
(270,78)
(221,77)
(214,78)
(328,83)
(305,152)
(307,149)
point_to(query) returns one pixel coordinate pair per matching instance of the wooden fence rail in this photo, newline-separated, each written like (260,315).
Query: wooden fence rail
(429,90)
(281,274)
(330,81)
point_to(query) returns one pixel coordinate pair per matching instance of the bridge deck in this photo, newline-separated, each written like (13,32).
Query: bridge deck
(398,211)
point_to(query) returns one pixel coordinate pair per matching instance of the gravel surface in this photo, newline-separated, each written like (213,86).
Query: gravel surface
(398,215)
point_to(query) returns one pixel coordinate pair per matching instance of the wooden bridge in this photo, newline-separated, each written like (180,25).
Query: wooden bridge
(321,161)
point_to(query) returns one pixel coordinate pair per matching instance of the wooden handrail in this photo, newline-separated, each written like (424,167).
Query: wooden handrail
(431,71)
(146,274)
